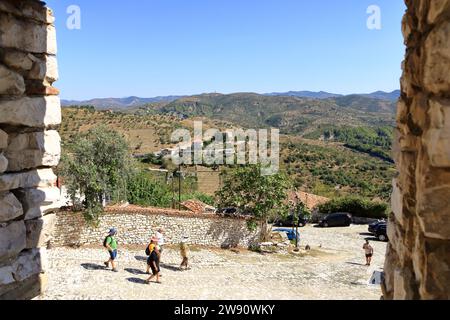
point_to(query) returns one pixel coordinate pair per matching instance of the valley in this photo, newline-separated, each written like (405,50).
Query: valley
(334,146)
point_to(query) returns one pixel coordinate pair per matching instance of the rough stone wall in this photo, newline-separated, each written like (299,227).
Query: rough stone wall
(138,225)
(29,144)
(418,257)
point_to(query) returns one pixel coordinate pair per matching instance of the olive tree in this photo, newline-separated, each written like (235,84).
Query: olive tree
(96,165)
(260,196)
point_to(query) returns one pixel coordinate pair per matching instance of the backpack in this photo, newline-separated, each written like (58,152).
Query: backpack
(104,241)
(147,250)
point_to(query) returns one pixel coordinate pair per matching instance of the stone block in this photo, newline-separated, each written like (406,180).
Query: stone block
(39,231)
(397,202)
(437,59)
(403,285)
(10,207)
(436,284)
(437,9)
(437,139)
(433,214)
(34,87)
(11,83)
(18,60)
(37,112)
(41,178)
(3,139)
(3,163)
(26,35)
(29,263)
(12,239)
(24,290)
(37,202)
(31,150)
(34,10)
(44,69)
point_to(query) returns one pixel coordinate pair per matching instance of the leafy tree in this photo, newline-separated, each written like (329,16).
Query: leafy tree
(98,165)
(262,197)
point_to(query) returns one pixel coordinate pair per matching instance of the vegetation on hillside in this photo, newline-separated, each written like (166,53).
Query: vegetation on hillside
(375,141)
(331,170)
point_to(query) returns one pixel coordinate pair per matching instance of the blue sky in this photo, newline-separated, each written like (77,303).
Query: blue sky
(162,47)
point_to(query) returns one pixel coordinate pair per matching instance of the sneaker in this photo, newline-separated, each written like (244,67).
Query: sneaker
(106,264)
(115,270)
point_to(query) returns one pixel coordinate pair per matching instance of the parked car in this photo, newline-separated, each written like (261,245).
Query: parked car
(375,225)
(336,220)
(381,232)
(288,221)
(290,233)
(231,212)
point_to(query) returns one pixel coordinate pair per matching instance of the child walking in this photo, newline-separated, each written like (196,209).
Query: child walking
(184,252)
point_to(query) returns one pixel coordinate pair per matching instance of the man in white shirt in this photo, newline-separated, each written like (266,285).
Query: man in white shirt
(160,235)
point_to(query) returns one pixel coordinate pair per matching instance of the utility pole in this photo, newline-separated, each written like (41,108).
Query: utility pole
(179,187)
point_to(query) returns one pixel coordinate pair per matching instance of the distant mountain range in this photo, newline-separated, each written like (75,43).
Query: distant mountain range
(119,103)
(130,102)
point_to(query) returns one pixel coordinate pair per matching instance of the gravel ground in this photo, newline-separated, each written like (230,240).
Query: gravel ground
(333,269)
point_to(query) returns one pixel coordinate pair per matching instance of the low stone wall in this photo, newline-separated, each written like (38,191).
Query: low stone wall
(136,225)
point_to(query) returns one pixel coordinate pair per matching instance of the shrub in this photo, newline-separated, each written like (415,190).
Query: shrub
(144,191)
(357,206)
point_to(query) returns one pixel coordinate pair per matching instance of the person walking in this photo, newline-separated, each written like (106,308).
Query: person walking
(160,236)
(161,242)
(153,262)
(184,252)
(110,243)
(149,250)
(369,252)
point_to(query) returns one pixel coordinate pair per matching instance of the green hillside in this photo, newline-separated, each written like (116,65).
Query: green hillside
(292,115)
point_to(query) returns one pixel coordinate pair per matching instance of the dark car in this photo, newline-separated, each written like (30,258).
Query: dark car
(375,225)
(381,232)
(336,220)
(231,212)
(289,221)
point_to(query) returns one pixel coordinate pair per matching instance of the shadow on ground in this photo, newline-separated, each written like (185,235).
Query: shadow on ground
(356,264)
(134,271)
(92,266)
(136,280)
(169,267)
(140,258)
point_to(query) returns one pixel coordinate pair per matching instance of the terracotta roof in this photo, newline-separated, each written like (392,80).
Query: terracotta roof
(197,206)
(312,201)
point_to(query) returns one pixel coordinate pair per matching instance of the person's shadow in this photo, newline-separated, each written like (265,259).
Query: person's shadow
(169,267)
(136,280)
(134,271)
(356,264)
(93,266)
(140,258)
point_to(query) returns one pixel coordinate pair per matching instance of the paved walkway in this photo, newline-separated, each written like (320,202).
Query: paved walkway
(333,269)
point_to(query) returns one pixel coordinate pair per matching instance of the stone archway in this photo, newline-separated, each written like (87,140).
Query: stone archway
(418,260)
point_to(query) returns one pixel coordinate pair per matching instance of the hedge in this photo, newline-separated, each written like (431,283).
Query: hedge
(357,206)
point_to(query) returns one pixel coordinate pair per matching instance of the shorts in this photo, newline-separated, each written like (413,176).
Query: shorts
(154,270)
(369,255)
(113,254)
